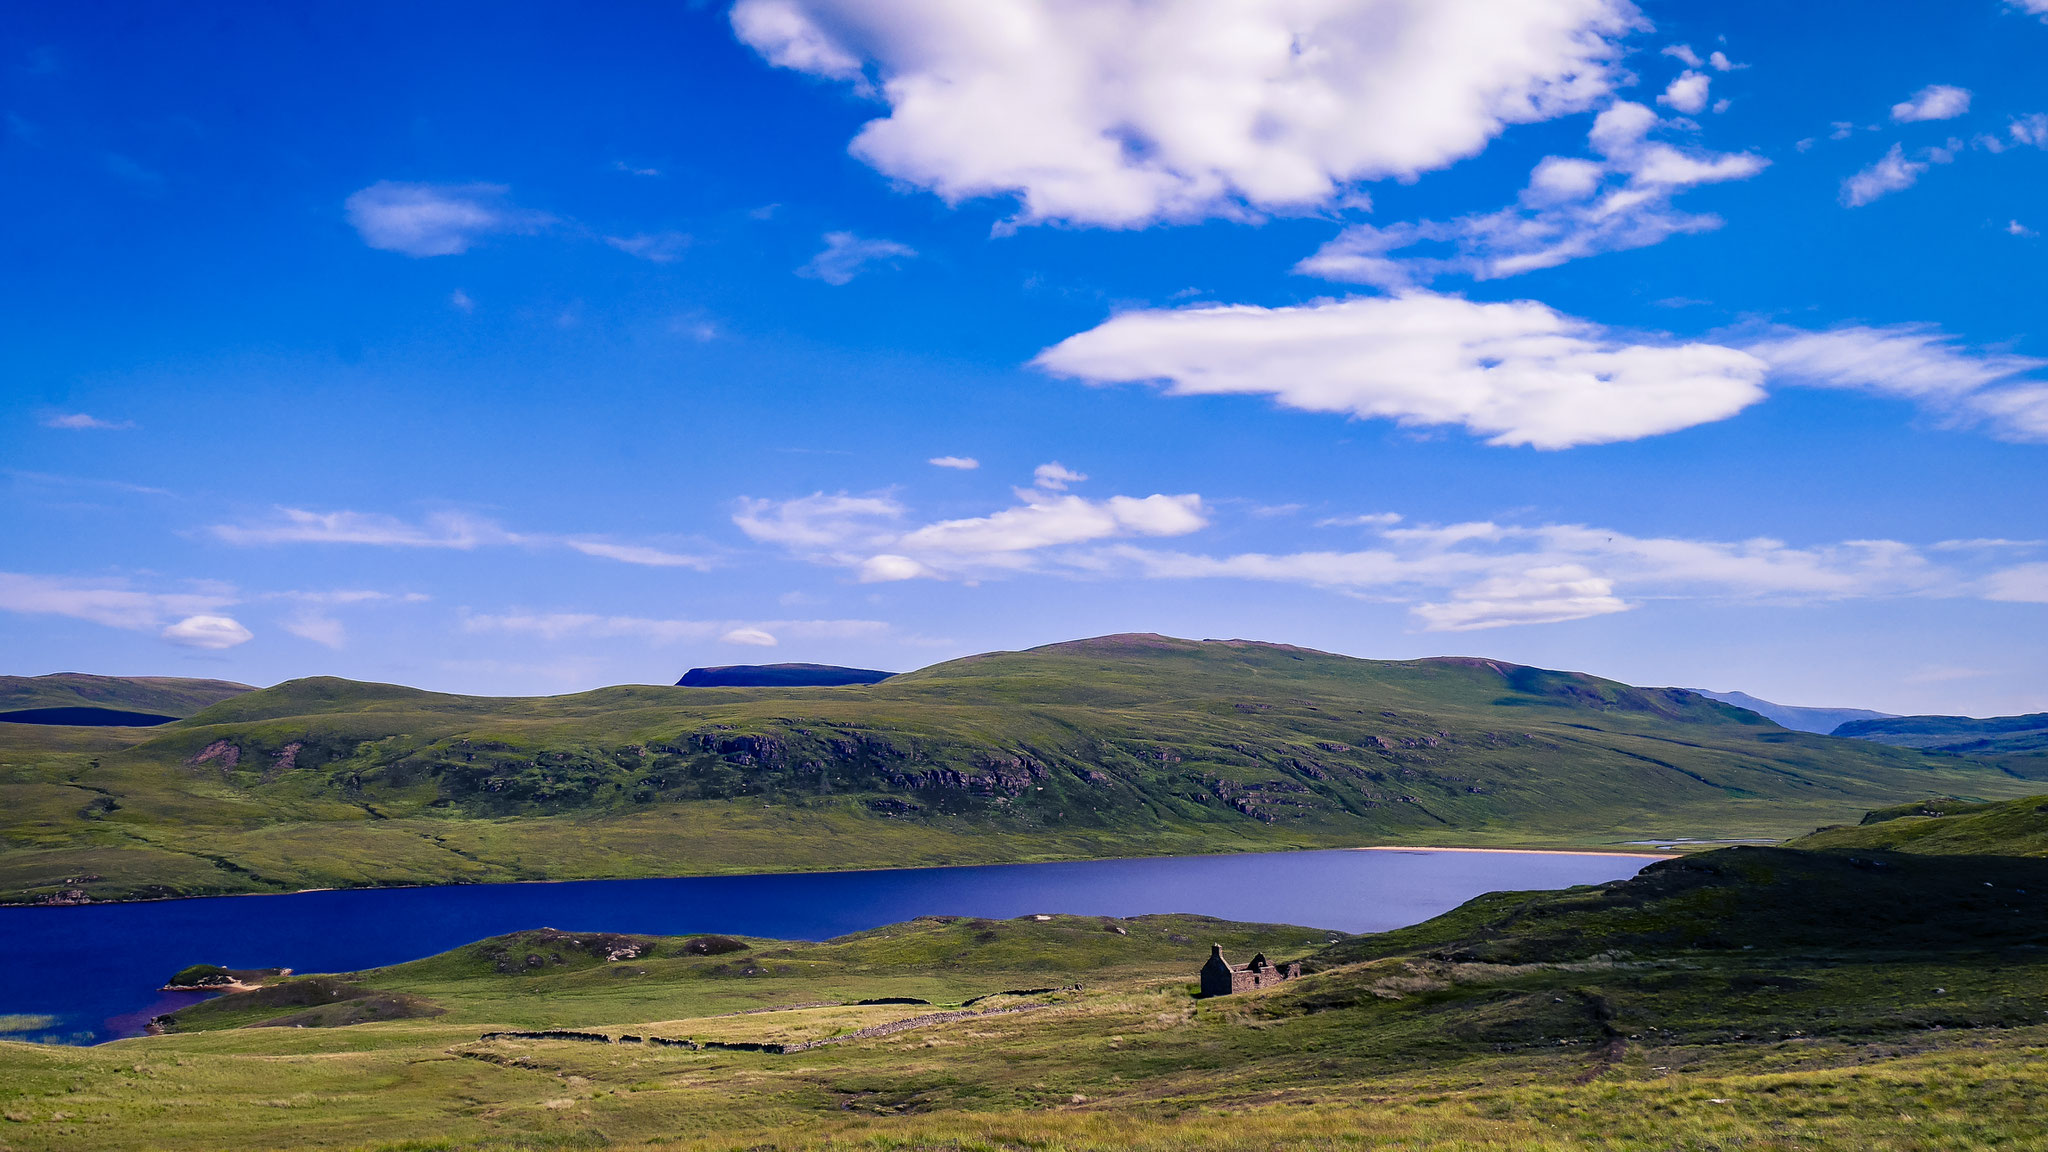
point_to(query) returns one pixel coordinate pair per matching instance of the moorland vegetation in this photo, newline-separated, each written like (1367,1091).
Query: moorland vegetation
(1822,994)
(1117,746)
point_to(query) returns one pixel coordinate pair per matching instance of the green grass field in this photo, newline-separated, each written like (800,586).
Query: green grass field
(1119,746)
(1793,997)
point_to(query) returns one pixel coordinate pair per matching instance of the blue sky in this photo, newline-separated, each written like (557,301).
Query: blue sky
(503,349)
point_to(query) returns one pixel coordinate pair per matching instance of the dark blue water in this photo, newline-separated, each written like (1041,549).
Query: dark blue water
(93,971)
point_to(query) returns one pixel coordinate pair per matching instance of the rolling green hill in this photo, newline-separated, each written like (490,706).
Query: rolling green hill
(168,695)
(1121,745)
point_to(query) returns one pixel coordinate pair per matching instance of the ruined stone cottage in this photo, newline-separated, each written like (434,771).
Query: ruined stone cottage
(1220,979)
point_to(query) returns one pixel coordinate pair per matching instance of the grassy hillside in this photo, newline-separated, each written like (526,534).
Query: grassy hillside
(163,695)
(1945,828)
(1746,998)
(1121,745)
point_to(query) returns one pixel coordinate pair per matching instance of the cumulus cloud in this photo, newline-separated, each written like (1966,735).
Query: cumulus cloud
(958,463)
(1688,93)
(1127,112)
(1934,102)
(846,255)
(1516,373)
(1573,207)
(1964,386)
(84,422)
(435,219)
(209,632)
(449,530)
(868,533)
(195,618)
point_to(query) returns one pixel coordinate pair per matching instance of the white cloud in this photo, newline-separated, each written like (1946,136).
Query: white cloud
(107,602)
(461,302)
(1572,208)
(318,627)
(638,554)
(2035,7)
(1934,102)
(1516,373)
(449,530)
(654,247)
(1055,476)
(299,526)
(2031,130)
(846,255)
(1538,596)
(1965,386)
(2022,583)
(558,626)
(1892,173)
(82,421)
(1127,112)
(1688,93)
(435,219)
(1461,577)
(865,533)
(961,463)
(210,632)
(1684,54)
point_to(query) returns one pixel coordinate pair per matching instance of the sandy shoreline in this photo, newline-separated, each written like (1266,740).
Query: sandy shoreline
(1524,851)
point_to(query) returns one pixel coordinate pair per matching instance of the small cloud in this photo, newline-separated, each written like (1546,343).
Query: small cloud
(890,567)
(637,554)
(764,212)
(695,327)
(963,463)
(633,169)
(460,301)
(847,255)
(1684,54)
(2031,130)
(435,219)
(752,637)
(1720,63)
(2015,228)
(321,629)
(1269,511)
(1688,93)
(1841,130)
(1368,520)
(1934,102)
(655,247)
(210,632)
(85,422)
(1892,173)
(1055,477)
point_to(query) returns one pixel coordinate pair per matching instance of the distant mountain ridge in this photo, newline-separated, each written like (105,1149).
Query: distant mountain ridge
(780,676)
(1956,735)
(1819,720)
(173,696)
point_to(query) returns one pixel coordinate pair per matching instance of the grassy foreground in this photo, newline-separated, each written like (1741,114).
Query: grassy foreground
(1118,746)
(1746,998)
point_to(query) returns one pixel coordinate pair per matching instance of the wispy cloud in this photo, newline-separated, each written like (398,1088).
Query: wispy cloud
(1964,386)
(959,463)
(84,422)
(195,618)
(846,256)
(654,247)
(1573,207)
(436,219)
(449,530)
(1892,172)
(557,626)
